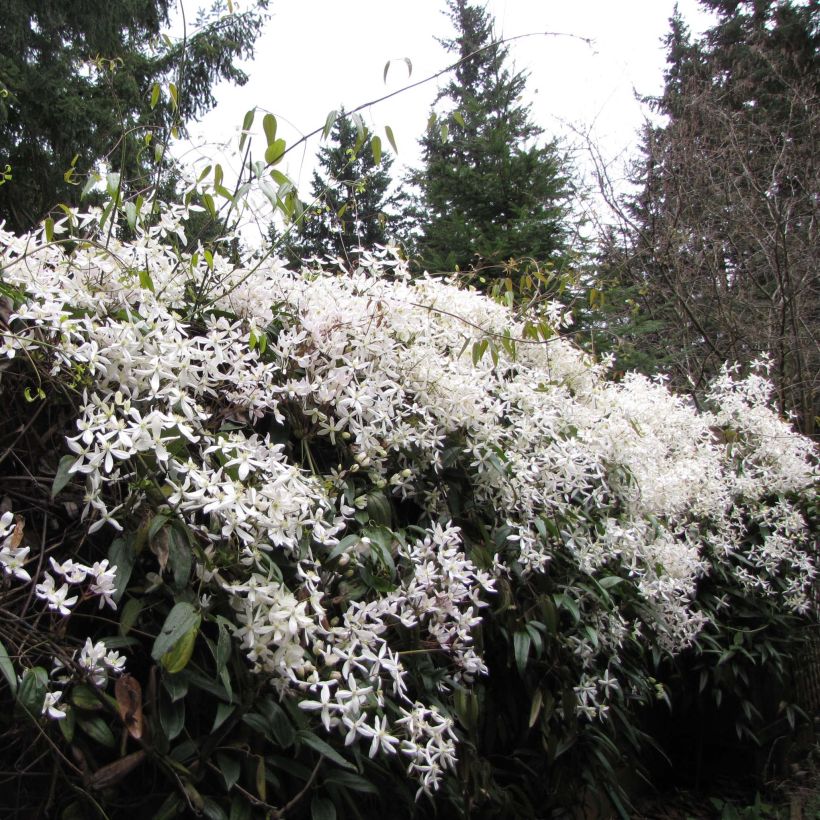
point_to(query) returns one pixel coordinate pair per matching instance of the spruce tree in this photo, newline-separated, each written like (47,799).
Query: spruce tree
(720,248)
(351,200)
(490,198)
(77,86)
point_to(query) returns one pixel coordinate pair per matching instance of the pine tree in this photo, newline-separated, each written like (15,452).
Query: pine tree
(489,197)
(76,87)
(351,200)
(720,250)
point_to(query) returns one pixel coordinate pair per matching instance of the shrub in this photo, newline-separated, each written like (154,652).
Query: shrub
(333,542)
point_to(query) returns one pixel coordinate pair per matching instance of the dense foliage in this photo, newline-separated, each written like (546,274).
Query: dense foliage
(489,197)
(717,256)
(334,543)
(82,83)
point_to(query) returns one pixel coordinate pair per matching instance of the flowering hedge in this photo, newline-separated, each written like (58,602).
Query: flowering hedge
(277,540)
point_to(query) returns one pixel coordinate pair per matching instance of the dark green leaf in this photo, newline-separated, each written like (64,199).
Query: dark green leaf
(348,780)
(322,809)
(325,749)
(121,554)
(129,613)
(180,621)
(229,767)
(7,668)
(171,716)
(521,645)
(212,810)
(97,729)
(32,690)
(223,712)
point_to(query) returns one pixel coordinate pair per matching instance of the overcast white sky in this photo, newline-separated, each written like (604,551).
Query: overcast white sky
(315,55)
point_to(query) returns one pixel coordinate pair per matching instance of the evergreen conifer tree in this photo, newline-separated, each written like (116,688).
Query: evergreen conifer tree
(488,194)
(719,252)
(77,86)
(351,199)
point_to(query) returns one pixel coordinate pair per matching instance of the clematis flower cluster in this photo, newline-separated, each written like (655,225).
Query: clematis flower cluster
(278,411)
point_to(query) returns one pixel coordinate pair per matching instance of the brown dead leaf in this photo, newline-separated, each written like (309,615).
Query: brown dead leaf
(17,535)
(159,546)
(116,771)
(128,693)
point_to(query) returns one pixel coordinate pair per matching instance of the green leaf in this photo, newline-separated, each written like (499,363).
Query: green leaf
(325,749)
(32,690)
(275,151)
(210,808)
(68,724)
(240,809)
(145,280)
(535,707)
(361,129)
(63,476)
(223,645)
(171,716)
(229,768)
(280,179)
(376,149)
(269,126)
(176,659)
(322,809)
(379,510)
(390,138)
(258,723)
(7,668)
(479,349)
(122,555)
(521,646)
(172,90)
(180,557)
(563,601)
(130,211)
(97,729)
(49,226)
(210,205)
(85,697)
(280,726)
(348,780)
(457,116)
(171,807)
(444,131)
(535,636)
(180,621)
(154,95)
(129,613)
(247,122)
(112,183)
(223,712)
(329,120)
(89,185)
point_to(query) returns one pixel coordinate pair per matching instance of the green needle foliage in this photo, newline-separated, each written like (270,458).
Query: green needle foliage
(350,194)
(83,83)
(716,260)
(488,193)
